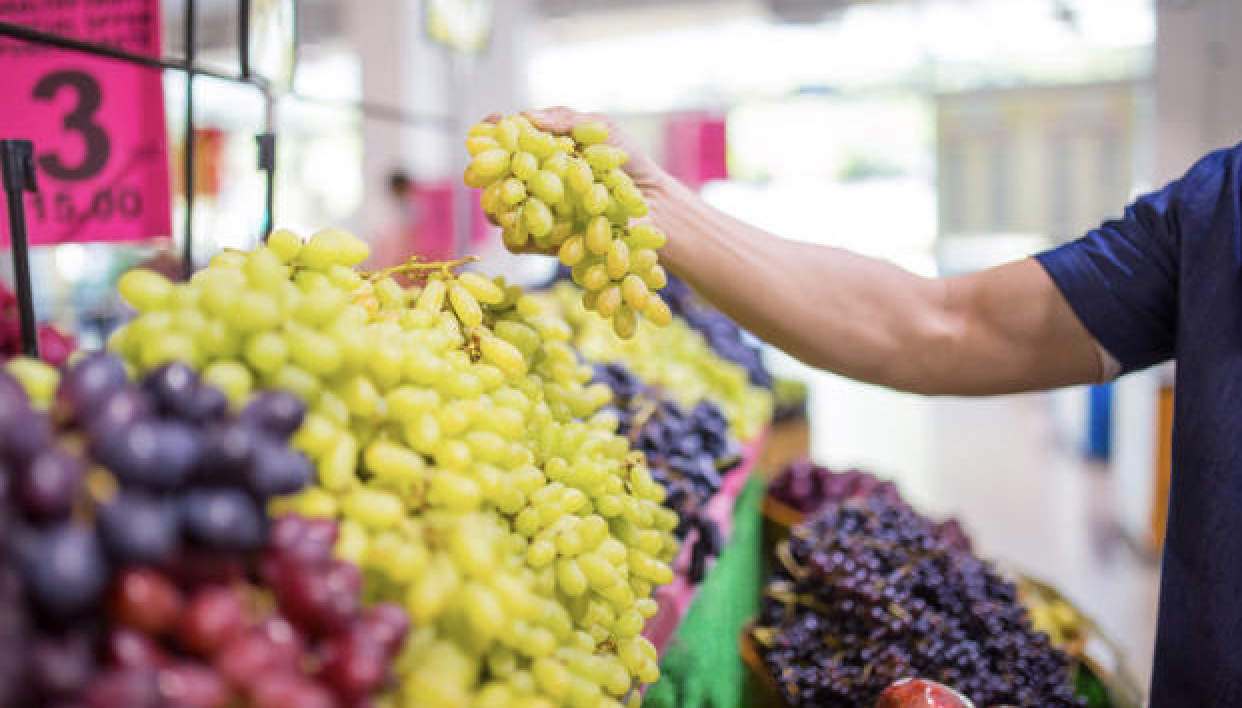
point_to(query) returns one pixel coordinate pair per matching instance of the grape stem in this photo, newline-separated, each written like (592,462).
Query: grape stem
(415,266)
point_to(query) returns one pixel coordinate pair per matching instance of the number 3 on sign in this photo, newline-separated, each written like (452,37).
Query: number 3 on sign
(80,120)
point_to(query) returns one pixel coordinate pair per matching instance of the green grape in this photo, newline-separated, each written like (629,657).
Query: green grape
(537,217)
(598,236)
(608,301)
(230,377)
(595,277)
(143,289)
(266,352)
(595,200)
(590,132)
(512,191)
(646,236)
(618,260)
(487,130)
(603,158)
(491,164)
(546,186)
(572,251)
(557,164)
(636,293)
(654,278)
(476,144)
(578,176)
(657,311)
(483,289)
(524,166)
(464,304)
(285,244)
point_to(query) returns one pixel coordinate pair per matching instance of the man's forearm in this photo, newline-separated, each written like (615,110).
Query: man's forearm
(1003,330)
(833,309)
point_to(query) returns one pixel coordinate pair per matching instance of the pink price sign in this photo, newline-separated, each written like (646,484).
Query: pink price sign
(100,140)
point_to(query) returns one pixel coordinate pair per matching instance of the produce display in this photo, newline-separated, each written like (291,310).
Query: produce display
(568,194)
(54,346)
(686,451)
(677,358)
(725,337)
(868,593)
(458,440)
(138,566)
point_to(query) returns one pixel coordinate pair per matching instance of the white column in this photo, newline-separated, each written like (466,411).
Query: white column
(1198,75)
(401,67)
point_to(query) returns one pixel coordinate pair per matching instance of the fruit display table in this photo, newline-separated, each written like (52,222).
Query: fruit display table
(701,665)
(676,598)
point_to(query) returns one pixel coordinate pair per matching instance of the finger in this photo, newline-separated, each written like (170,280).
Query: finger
(559,119)
(492,118)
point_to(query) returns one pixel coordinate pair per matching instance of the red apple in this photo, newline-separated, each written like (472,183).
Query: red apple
(920,693)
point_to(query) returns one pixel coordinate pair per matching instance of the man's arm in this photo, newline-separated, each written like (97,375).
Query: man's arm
(1003,330)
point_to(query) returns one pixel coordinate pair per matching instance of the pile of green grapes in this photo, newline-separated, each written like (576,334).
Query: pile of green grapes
(458,440)
(569,194)
(676,358)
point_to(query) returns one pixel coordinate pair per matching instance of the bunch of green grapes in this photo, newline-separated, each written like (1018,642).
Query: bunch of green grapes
(459,442)
(676,357)
(570,194)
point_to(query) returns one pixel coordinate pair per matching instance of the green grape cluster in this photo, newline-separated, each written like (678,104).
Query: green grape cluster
(569,194)
(459,441)
(676,357)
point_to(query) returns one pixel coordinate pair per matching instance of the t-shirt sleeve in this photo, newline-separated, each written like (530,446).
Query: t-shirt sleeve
(1121,279)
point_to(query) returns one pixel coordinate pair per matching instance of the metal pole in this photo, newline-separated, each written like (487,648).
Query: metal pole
(190,41)
(19,177)
(267,163)
(243,37)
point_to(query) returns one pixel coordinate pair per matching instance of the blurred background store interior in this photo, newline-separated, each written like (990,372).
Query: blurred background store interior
(943,135)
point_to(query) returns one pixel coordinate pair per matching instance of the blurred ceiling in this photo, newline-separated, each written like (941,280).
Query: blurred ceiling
(783,10)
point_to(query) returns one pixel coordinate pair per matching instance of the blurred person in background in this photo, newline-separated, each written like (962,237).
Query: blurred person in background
(1161,282)
(394,240)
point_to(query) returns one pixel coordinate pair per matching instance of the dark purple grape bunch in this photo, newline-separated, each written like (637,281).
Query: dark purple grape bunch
(687,452)
(722,334)
(868,593)
(186,484)
(189,472)
(808,487)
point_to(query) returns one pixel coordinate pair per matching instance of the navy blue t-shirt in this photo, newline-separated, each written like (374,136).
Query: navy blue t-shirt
(1165,282)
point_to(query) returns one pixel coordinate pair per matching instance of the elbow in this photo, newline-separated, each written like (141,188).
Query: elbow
(925,358)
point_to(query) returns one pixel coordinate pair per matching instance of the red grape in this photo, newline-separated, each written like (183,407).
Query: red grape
(145,600)
(290,691)
(213,618)
(322,599)
(188,685)
(130,649)
(249,657)
(385,624)
(131,688)
(354,666)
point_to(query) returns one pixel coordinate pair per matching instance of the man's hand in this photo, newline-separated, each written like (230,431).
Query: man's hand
(648,176)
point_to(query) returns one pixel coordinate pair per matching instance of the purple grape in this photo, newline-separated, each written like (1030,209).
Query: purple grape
(222,519)
(151,455)
(277,412)
(23,435)
(45,491)
(60,666)
(132,688)
(116,412)
(138,529)
(205,404)
(62,568)
(170,384)
(88,383)
(278,470)
(228,453)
